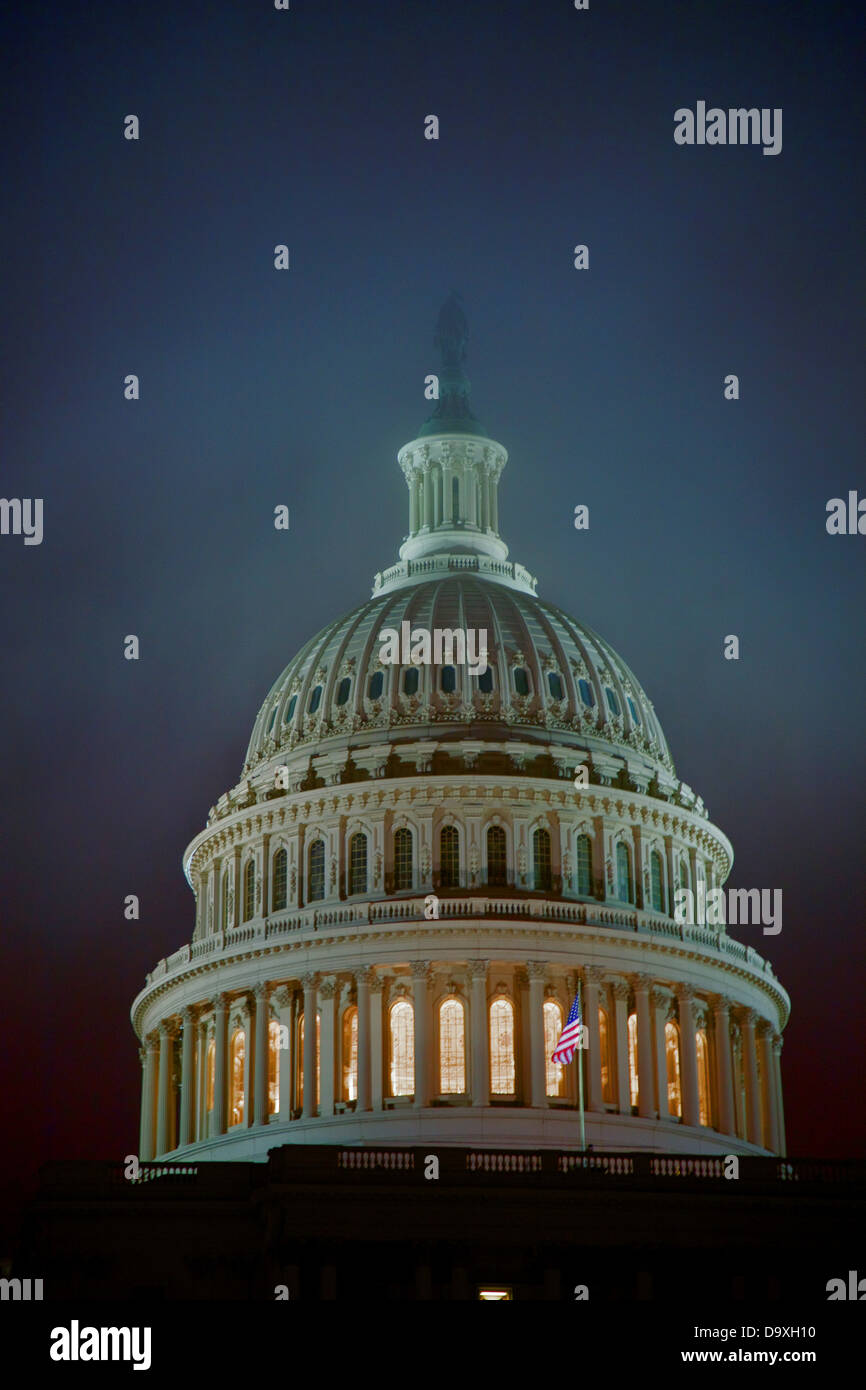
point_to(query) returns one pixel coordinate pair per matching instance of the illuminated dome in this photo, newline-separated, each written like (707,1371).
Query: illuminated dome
(409,857)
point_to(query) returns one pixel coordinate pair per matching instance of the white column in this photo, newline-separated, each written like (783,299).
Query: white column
(421,1002)
(164,1095)
(623,1090)
(428,497)
(377,1060)
(413,504)
(724,1063)
(146,1147)
(646,1080)
(480,1055)
(688,1056)
(748,1020)
(286,1057)
(594,978)
(363,980)
(661,1006)
(260,1055)
(327,992)
(780,1109)
(187,1077)
(768,1087)
(536,969)
(309,983)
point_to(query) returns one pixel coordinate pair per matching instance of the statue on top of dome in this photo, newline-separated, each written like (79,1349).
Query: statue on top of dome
(452,332)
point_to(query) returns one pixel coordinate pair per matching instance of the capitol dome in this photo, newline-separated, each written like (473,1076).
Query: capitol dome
(457,808)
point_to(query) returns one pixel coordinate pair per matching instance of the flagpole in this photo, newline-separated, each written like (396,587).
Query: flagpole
(580,1074)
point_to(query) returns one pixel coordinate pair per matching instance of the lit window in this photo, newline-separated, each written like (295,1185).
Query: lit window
(290,709)
(273,1067)
(279,894)
(449,857)
(584,866)
(657,882)
(496,867)
(209,1073)
(554,1076)
(238,1054)
(703,1077)
(604,1049)
(623,874)
(249,890)
(502,1047)
(316,883)
(374,689)
(402,1049)
(402,860)
(672,1059)
(448,680)
(410,680)
(612,701)
(554,685)
(350,1054)
(521,681)
(541,860)
(485,681)
(315,700)
(343,690)
(632,1058)
(586,693)
(358,864)
(452,1047)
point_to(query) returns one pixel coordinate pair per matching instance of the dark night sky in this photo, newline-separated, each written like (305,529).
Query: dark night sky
(707,517)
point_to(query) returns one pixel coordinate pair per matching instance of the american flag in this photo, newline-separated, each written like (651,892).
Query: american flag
(567,1045)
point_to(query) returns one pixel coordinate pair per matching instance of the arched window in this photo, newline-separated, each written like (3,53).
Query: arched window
(684,872)
(672,1060)
(554,685)
(316,875)
(632,1059)
(634,714)
(554,1075)
(374,689)
(290,710)
(587,694)
(703,1077)
(273,1066)
(249,889)
(279,880)
(485,681)
(604,1049)
(402,860)
(657,882)
(623,873)
(237,1056)
(299,1082)
(358,864)
(502,1047)
(343,690)
(272,718)
(452,1047)
(410,680)
(541,860)
(350,1054)
(612,701)
(448,680)
(584,866)
(455,499)
(449,857)
(210,1061)
(497,874)
(315,700)
(521,681)
(402,1020)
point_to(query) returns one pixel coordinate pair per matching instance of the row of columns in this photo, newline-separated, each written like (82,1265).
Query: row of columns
(431,498)
(764,1123)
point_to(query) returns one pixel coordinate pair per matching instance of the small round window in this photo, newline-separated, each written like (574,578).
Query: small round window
(554,685)
(410,681)
(290,710)
(521,681)
(343,690)
(315,700)
(374,689)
